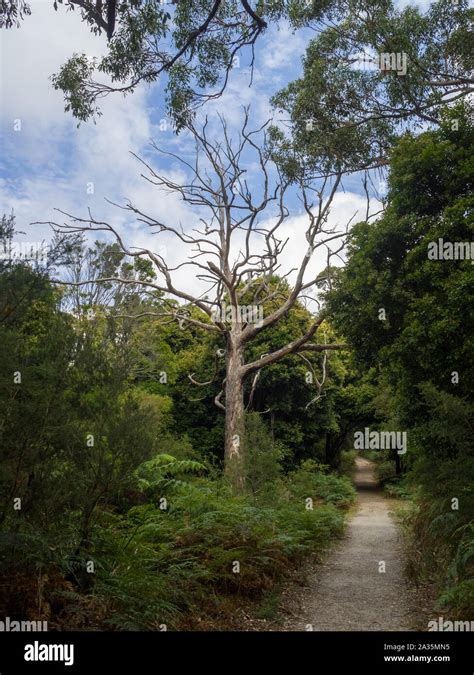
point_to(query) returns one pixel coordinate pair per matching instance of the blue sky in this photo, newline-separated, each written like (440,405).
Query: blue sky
(48,162)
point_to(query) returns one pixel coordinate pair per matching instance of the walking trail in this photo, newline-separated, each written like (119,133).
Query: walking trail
(348,592)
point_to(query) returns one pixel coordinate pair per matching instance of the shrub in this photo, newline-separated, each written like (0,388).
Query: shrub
(311,480)
(155,566)
(347,464)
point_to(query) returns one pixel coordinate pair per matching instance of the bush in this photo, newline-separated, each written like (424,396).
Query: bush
(385,471)
(263,457)
(311,480)
(460,597)
(156,566)
(441,539)
(347,464)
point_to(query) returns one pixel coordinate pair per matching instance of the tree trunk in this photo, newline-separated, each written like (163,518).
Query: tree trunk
(334,443)
(234,416)
(329,451)
(398,464)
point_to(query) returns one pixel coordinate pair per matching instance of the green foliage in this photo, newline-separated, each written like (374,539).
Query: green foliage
(162,474)
(176,556)
(461,597)
(311,481)
(72,429)
(191,43)
(385,471)
(426,301)
(72,80)
(347,465)
(270,604)
(262,456)
(347,115)
(441,526)
(421,353)
(88,444)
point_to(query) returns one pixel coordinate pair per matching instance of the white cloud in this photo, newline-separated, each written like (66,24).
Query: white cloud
(51,163)
(31,54)
(422,5)
(282,47)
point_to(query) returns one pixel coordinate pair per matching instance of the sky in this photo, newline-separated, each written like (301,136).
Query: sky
(48,163)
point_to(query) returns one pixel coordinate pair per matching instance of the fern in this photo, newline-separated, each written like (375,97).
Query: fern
(163,473)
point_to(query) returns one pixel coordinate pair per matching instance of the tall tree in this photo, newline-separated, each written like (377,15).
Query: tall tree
(235,254)
(373,74)
(194,43)
(390,265)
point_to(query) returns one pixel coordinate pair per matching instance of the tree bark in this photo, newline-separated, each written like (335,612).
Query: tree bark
(234,416)
(334,444)
(398,464)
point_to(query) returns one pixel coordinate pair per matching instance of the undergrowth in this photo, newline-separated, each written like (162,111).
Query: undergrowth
(189,545)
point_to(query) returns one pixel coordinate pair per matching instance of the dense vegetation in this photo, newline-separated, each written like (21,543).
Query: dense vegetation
(421,353)
(111,516)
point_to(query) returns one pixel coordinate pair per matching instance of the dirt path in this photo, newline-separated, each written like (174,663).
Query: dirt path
(348,592)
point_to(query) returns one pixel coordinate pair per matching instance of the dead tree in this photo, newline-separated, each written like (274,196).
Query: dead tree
(235,253)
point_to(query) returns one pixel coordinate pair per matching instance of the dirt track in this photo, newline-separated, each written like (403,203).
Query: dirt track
(348,592)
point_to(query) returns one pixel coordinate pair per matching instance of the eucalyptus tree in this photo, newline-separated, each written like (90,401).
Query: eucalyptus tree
(369,67)
(373,74)
(233,258)
(194,43)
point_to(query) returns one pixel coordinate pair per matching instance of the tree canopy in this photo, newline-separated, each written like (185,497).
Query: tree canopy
(370,76)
